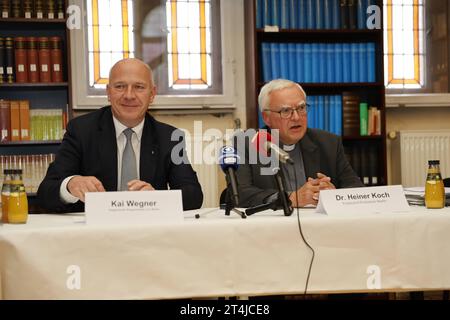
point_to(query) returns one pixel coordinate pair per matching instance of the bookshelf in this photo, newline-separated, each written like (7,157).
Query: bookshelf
(48,94)
(286,37)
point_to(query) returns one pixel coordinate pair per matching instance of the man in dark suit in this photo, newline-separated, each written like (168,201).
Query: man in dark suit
(319,158)
(119,147)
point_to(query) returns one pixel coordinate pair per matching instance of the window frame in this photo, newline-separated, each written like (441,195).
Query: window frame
(415,98)
(84,99)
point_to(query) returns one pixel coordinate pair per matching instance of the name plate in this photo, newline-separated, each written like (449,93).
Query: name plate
(133,207)
(383,199)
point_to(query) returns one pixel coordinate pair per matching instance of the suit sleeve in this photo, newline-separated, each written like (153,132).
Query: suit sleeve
(67,163)
(249,194)
(183,177)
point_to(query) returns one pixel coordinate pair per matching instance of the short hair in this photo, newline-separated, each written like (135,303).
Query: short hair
(274,85)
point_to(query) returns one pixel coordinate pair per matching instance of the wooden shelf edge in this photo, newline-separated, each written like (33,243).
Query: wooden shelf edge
(20,143)
(321,31)
(350,138)
(32,20)
(36,84)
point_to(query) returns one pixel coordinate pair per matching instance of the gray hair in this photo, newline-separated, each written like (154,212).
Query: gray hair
(273,85)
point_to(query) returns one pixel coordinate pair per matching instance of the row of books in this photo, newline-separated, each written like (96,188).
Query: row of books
(34,168)
(47,124)
(31,59)
(358,119)
(39,9)
(312,14)
(325,112)
(342,115)
(19,123)
(365,162)
(319,62)
(369,120)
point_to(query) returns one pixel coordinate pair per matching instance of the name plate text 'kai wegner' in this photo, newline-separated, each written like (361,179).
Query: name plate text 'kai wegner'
(133,207)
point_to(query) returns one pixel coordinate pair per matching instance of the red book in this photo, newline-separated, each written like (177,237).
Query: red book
(44,60)
(56,59)
(5,121)
(32,59)
(20,55)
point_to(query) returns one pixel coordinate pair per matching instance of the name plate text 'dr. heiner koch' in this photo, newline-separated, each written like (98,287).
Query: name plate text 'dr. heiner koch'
(383,199)
(133,207)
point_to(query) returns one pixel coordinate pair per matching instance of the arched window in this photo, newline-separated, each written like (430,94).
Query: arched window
(404,54)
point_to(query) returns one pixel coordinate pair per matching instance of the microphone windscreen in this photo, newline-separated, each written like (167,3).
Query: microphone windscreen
(228,158)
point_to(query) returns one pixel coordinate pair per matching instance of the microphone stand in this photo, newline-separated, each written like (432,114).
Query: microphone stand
(230,205)
(282,195)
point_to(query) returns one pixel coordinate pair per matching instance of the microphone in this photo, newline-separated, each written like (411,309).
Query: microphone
(229,162)
(262,141)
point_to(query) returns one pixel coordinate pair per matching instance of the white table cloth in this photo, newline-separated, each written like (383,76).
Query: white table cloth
(220,255)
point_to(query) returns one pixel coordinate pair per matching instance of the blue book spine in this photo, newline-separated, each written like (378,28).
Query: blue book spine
(315,72)
(268,8)
(336,14)
(307,63)
(338,104)
(312,112)
(346,60)
(319,14)
(284,14)
(354,62)
(299,76)
(293,23)
(276,13)
(331,76)
(371,62)
(310,14)
(259,11)
(363,62)
(322,63)
(284,58)
(302,14)
(327,14)
(337,50)
(321,113)
(360,14)
(292,59)
(275,60)
(326,113)
(266,62)
(332,115)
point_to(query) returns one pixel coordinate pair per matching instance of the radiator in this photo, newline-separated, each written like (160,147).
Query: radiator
(411,151)
(203,154)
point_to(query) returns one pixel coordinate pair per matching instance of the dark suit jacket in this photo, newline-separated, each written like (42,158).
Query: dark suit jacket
(322,152)
(89,148)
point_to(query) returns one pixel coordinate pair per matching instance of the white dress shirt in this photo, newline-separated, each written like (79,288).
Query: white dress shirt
(121,140)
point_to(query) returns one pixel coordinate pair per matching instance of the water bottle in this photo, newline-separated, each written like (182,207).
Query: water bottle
(18,202)
(6,191)
(434,187)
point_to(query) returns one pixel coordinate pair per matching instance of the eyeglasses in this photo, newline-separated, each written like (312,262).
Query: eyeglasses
(287,112)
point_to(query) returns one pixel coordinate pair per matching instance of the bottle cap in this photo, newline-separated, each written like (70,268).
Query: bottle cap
(433,162)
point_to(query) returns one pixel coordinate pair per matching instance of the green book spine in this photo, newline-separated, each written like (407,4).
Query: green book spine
(363,117)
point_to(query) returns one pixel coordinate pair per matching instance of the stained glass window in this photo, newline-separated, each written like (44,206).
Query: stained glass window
(404,44)
(186,45)
(189,44)
(110,37)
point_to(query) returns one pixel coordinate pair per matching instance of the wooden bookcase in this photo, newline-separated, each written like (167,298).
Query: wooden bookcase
(361,150)
(50,95)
